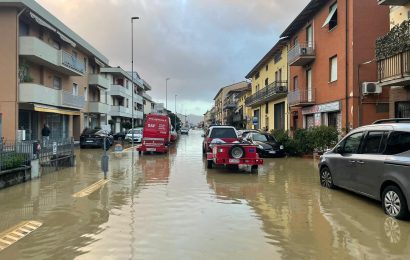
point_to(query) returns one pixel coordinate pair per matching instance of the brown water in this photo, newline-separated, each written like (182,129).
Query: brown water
(172,207)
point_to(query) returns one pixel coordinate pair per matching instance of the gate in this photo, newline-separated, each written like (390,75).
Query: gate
(56,155)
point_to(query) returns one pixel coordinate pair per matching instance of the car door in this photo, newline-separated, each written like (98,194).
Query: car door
(342,161)
(368,172)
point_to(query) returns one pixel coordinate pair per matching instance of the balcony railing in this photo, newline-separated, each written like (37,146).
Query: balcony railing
(230,105)
(98,107)
(70,61)
(301,54)
(274,91)
(71,100)
(238,118)
(301,98)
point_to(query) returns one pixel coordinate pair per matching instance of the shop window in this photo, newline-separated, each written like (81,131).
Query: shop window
(332,119)
(333,69)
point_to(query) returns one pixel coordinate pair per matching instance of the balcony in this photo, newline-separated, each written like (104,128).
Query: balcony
(301,54)
(301,98)
(118,90)
(98,107)
(138,114)
(392,2)
(120,111)
(237,118)
(393,56)
(73,101)
(34,93)
(39,52)
(274,91)
(138,99)
(230,105)
(98,80)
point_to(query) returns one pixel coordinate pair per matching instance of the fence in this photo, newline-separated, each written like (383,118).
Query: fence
(56,154)
(14,154)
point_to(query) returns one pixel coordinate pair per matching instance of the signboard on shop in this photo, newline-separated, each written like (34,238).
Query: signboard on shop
(323,108)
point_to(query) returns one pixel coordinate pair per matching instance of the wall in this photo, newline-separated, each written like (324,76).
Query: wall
(8,72)
(399,14)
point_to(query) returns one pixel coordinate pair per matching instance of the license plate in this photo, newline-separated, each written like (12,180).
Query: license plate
(89,141)
(234,161)
(272,152)
(151,149)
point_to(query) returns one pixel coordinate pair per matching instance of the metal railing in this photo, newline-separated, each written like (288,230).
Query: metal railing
(300,97)
(395,67)
(275,90)
(15,154)
(72,100)
(56,154)
(299,50)
(70,61)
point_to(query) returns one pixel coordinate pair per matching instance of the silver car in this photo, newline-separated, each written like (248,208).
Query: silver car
(374,161)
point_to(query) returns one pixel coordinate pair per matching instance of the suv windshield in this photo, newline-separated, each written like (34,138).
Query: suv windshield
(223,133)
(135,131)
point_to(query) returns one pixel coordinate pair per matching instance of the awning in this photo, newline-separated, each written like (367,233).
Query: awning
(55,110)
(66,39)
(99,63)
(42,22)
(238,109)
(331,14)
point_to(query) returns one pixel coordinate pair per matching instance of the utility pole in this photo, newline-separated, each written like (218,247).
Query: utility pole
(132,83)
(175,112)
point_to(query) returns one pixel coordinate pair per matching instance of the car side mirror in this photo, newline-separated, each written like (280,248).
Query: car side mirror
(339,150)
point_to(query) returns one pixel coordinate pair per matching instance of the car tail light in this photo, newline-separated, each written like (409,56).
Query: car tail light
(220,150)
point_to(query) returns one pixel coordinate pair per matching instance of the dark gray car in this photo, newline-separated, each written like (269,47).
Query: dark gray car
(374,161)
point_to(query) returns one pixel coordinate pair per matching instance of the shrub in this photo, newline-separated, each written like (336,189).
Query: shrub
(11,160)
(322,137)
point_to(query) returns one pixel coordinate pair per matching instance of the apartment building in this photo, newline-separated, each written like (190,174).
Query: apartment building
(242,114)
(233,111)
(220,101)
(123,91)
(44,72)
(331,54)
(268,101)
(209,118)
(393,58)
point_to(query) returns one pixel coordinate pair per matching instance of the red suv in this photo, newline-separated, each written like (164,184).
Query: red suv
(227,134)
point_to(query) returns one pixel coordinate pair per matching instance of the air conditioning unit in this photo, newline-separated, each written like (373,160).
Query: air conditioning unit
(303,51)
(371,88)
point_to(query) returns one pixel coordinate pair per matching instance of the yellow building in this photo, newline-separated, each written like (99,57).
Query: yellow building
(244,110)
(268,107)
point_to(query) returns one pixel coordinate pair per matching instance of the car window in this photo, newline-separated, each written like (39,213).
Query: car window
(223,133)
(398,142)
(352,143)
(375,142)
(260,138)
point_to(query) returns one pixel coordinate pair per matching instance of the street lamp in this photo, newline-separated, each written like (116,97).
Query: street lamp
(361,90)
(132,83)
(166,93)
(175,112)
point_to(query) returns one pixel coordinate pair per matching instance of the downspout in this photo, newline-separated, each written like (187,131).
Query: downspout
(17,68)
(347,66)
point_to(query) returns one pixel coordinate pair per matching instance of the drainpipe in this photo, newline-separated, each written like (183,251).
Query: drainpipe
(347,66)
(17,69)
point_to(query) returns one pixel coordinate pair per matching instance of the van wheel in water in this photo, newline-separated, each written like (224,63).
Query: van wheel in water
(394,203)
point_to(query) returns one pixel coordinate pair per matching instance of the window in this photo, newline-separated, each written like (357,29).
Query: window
(75,54)
(266,108)
(56,82)
(56,45)
(257,75)
(295,83)
(266,81)
(399,142)
(266,67)
(333,69)
(85,94)
(85,64)
(352,143)
(331,19)
(277,56)
(257,88)
(295,41)
(402,109)
(223,133)
(75,89)
(23,29)
(375,143)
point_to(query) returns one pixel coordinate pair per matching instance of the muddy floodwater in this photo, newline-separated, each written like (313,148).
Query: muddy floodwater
(172,207)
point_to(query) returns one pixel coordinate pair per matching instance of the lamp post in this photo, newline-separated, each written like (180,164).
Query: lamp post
(361,91)
(175,112)
(166,93)
(132,83)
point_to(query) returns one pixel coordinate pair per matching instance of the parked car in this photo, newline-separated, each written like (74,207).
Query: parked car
(225,133)
(184,131)
(243,133)
(156,134)
(137,133)
(373,161)
(120,135)
(174,135)
(266,144)
(95,138)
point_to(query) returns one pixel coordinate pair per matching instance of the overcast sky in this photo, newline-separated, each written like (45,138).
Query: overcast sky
(202,45)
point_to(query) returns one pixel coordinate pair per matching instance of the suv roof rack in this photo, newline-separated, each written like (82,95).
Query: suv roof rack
(392,120)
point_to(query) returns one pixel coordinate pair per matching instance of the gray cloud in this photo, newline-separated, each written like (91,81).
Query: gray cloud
(201,45)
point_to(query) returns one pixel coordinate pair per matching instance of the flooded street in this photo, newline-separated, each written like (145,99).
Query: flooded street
(172,207)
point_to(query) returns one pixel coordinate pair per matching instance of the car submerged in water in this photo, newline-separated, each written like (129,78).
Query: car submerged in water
(267,145)
(135,134)
(95,138)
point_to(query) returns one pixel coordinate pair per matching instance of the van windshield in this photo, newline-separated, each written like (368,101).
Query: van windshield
(135,131)
(223,133)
